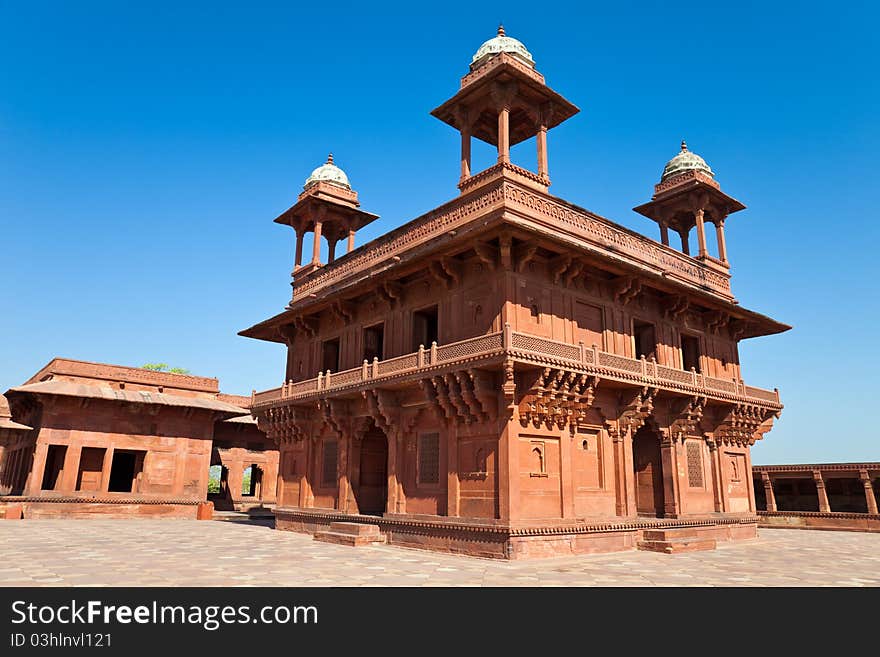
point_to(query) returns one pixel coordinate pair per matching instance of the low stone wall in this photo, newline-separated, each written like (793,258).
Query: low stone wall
(855,522)
(84,508)
(498,540)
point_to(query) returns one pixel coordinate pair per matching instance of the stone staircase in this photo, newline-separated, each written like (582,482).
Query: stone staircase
(354,534)
(672,541)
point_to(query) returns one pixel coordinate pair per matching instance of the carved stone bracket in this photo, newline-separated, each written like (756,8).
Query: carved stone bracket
(487,254)
(716,320)
(688,417)
(675,306)
(285,424)
(637,407)
(559,398)
(626,288)
(744,424)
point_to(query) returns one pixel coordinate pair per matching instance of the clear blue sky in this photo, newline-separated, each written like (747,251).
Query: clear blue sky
(145,150)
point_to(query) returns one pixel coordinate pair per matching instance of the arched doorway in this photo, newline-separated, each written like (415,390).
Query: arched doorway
(648,468)
(371,492)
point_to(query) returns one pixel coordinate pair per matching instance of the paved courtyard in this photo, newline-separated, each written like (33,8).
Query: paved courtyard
(193,553)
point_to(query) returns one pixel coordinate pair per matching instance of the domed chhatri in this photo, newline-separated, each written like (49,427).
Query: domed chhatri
(502,43)
(330,173)
(685,161)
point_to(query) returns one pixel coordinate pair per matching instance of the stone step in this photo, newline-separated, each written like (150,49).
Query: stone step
(354,534)
(671,534)
(354,528)
(678,545)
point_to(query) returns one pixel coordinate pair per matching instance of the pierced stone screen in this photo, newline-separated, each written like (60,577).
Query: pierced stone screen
(695,465)
(429,458)
(328,475)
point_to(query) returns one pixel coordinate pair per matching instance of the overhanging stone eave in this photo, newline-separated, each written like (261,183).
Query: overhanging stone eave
(664,280)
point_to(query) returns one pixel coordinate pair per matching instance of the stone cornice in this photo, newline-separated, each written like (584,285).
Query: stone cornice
(542,210)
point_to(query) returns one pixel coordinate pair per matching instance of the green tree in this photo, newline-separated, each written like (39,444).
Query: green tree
(163,367)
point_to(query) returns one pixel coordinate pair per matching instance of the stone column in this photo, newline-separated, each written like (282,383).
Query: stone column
(543,167)
(869,491)
(453,484)
(306,496)
(668,456)
(508,469)
(299,248)
(71,469)
(391,499)
(715,462)
(768,491)
(316,250)
(35,481)
(565,474)
(331,250)
(504,134)
(685,245)
(350,247)
(664,234)
(824,507)
(343,457)
(106,468)
(722,244)
(701,233)
(465,154)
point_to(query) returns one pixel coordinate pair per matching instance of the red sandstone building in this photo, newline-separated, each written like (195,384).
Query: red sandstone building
(512,375)
(96,439)
(818,495)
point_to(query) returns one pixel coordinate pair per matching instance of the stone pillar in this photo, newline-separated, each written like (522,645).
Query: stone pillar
(316,251)
(343,457)
(391,498)
(504,134)
(453,484)
(105,470)
(715,462)
(350,247)
(508,470)
(722,244)
(306,496)
(298,260)
(331,250)
(465,154)
(768,491)
(685,245)
(543,168)
(565,474)
(668,456)
(869,491)
(71,469)
(35,481)
(664,234)
(824,507)
(624,473)
(701,233)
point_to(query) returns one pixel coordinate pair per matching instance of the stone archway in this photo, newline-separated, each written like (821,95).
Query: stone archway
(648,468)
(371,491)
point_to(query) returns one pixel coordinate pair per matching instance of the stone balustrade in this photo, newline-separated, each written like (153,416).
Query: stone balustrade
(526,348)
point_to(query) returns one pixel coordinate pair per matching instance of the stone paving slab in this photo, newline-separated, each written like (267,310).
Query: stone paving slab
(141,552)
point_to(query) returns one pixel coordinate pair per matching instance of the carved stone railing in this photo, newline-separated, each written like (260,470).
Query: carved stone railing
(505,191)
(527,348)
